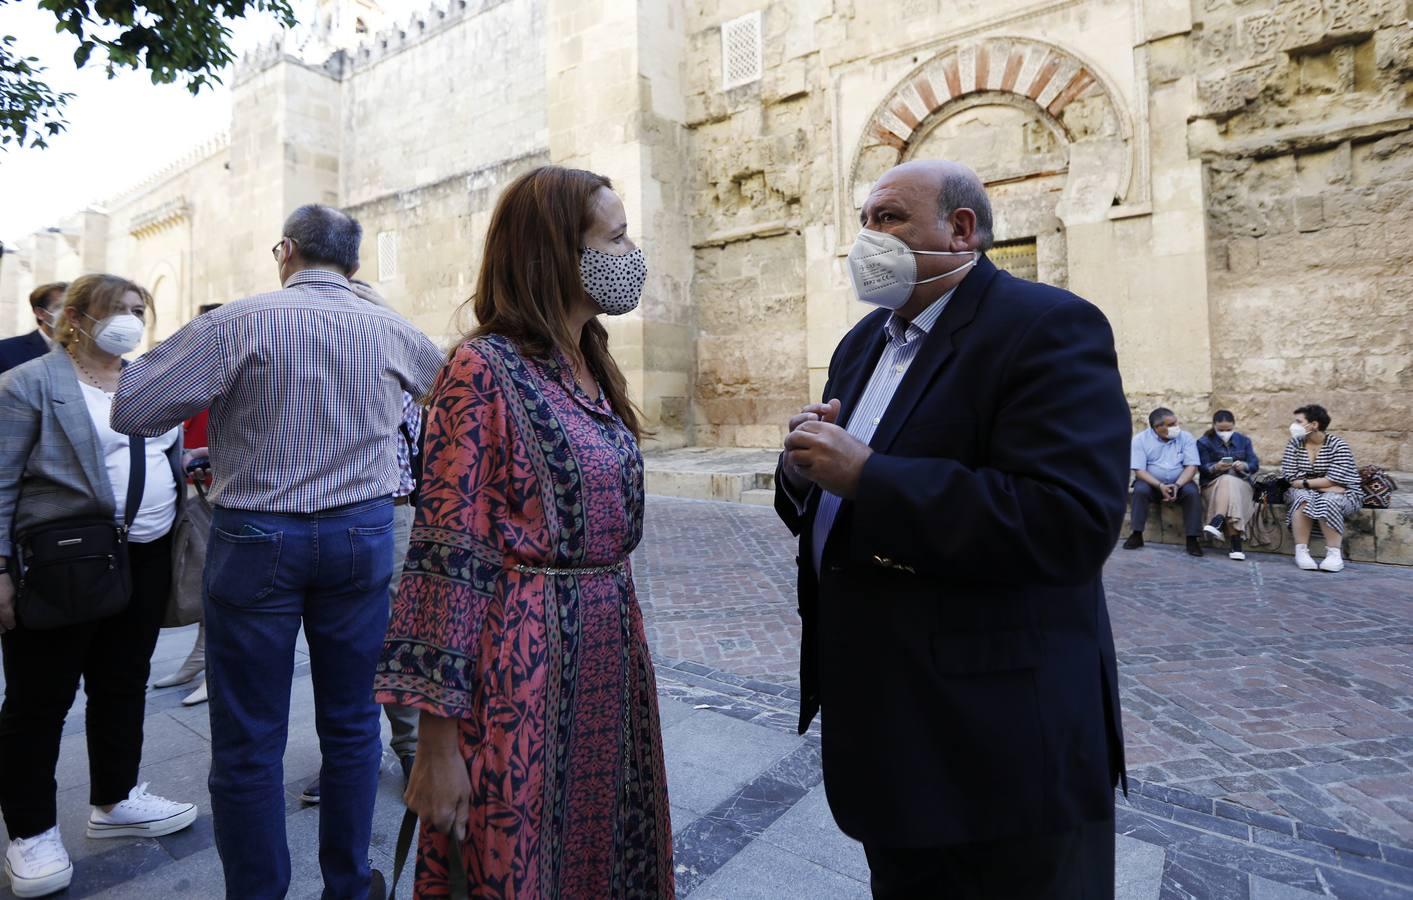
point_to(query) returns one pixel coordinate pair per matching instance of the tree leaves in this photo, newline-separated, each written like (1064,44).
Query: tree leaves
(175,40)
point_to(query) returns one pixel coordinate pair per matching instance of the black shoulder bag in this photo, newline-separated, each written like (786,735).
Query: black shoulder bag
(76,570)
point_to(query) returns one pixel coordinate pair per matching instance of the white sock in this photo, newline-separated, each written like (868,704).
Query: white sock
(1332,551)
(1300,547)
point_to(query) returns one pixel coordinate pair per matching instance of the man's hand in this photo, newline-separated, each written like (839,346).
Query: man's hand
(827,455)
(7,602)
(1240,466)
(815,412)
(1221,468)
(1170,492)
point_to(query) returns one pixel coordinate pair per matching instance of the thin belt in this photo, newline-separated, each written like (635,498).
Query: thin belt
(562,570)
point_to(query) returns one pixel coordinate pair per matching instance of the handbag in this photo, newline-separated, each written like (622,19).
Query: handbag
(77,570)
(189,538)
(456,866)
(1377,486)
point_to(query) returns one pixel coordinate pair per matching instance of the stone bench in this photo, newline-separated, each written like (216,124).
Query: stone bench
(1372,535)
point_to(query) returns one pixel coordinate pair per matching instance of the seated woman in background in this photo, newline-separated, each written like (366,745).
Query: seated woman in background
(1227,463)
(1324,486)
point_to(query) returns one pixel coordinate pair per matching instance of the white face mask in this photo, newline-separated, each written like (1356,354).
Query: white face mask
(1297,431)
(614,282)
(1174,432)
(883,268)
(117,334)
(1225,436)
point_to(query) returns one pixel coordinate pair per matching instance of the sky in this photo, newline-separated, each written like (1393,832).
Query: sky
(120,130)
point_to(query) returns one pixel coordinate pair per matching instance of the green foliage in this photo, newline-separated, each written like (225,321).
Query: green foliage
(175,40)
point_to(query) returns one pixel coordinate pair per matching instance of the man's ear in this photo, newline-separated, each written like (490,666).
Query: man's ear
(963,229)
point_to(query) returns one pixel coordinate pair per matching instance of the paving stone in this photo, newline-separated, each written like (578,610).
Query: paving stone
(764,871)
(808,831)
(1228,670)
(1138,869)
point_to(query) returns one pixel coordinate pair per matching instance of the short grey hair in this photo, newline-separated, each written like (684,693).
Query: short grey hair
(1159,415)
(963,190)
(325,236)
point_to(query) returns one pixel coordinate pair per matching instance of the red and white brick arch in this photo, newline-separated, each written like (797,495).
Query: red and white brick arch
(1054,84)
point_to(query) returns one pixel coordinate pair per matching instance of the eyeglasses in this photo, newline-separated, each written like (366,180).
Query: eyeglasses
(275,250)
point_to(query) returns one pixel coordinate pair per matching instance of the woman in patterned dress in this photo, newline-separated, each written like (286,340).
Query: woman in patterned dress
(516,631)
(1324,484)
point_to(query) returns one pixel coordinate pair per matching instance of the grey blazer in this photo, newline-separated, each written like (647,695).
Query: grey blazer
(50,467)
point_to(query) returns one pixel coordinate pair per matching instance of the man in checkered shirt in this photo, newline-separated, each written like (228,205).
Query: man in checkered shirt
(305,387)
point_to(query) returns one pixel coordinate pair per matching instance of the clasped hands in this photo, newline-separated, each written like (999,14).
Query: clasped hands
(819,451)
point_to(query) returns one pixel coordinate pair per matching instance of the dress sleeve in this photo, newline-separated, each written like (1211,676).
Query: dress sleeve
(1290,461)
(1342,470)
(455,562)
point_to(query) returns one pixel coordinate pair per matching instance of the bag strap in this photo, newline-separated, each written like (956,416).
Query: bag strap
(456,866)
(416,450)
(137,477)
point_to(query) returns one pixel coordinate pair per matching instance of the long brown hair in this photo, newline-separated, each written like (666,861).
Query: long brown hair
(529,278)
(97,296)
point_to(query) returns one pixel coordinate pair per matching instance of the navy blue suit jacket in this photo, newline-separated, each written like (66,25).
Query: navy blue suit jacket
(17,351)
(957,638)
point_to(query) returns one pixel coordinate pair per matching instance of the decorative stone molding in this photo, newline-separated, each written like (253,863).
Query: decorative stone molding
(151,221)
(1060,88)
(298,45)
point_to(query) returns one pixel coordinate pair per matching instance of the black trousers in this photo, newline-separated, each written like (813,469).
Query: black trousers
(1189,497)
(42,672)
(1073,865)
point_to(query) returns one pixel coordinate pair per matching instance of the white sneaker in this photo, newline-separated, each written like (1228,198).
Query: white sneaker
(1303,559)
(141,815)
(1333,561)
(1237,555)
(38,866)
(196,697)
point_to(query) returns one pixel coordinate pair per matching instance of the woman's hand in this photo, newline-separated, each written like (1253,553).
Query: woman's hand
(439,789)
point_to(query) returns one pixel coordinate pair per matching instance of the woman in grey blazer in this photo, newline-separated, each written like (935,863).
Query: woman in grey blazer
(60,458)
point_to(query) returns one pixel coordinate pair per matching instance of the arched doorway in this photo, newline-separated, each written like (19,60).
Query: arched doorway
(1036,123)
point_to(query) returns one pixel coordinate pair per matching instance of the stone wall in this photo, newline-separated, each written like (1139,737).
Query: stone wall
(443,95)
(1307,141)
(439,230)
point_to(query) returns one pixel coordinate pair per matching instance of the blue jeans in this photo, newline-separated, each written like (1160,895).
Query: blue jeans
(265,574)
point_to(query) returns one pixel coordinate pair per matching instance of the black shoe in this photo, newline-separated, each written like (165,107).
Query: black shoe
(311,793)
(1134,542)
(377,886)
(407,762)
(1214,527)
(1193,548)
(1236,543)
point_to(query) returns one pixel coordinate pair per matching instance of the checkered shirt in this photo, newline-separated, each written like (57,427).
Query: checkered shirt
(305,386)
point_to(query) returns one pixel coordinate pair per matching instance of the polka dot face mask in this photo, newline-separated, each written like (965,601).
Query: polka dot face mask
(615,282)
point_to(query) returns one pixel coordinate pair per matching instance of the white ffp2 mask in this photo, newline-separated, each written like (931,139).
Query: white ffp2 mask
(118,334)
(884,269)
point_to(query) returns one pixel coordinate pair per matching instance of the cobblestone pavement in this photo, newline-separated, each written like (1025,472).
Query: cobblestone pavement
(1267,712)
(1254,694)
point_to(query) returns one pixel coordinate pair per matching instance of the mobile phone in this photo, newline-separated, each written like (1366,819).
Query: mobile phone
(1228,460)
(203,462)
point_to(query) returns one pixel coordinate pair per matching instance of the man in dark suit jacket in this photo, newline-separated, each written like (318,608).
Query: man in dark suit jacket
(45,301)
(956,498)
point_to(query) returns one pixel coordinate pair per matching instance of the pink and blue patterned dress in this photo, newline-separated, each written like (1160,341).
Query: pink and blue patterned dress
(517,616)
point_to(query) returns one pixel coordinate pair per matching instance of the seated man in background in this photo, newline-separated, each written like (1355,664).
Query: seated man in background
(1164,461)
